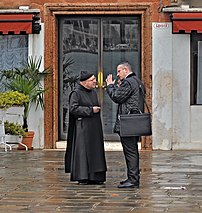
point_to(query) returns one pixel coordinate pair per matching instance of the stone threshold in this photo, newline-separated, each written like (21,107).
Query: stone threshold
(109,146)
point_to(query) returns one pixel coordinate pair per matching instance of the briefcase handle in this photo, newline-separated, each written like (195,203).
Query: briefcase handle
(140,86)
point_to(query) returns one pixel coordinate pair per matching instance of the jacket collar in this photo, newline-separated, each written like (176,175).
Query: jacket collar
(130,75)
(84,88)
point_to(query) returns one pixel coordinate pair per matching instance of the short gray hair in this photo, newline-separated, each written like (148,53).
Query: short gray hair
(126,64)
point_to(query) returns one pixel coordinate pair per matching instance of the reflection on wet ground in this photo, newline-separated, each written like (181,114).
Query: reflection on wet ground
(34,181)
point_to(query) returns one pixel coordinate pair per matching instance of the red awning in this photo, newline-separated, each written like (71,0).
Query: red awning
(187,22)
(16,23)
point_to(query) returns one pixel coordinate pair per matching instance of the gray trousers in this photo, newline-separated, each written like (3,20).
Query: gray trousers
(131,153)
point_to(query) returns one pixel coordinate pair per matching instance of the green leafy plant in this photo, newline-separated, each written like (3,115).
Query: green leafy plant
(12,98)
(27,80)
(12,128)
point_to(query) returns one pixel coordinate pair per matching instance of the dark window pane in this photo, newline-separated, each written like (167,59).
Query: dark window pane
(196,68)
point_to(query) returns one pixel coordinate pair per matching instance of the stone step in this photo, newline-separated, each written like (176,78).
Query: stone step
(109,146)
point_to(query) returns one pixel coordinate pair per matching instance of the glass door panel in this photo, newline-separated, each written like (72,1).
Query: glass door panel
(121,42)
(79,51)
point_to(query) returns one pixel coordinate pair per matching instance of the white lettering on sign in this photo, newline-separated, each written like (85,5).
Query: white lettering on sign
(160,25)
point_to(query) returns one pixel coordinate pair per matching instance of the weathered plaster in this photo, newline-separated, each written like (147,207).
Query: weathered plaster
(181,88)
(162,86)
(36,117)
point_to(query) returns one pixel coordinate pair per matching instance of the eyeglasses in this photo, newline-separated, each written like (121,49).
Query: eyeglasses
(94,79)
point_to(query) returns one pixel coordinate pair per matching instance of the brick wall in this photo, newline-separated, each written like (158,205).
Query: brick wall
(156,14)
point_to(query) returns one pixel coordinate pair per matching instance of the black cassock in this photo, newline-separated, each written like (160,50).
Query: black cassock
(85,155)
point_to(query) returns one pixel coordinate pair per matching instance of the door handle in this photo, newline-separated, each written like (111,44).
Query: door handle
(104,86)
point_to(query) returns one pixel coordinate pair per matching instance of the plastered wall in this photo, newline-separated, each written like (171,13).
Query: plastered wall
(176,124)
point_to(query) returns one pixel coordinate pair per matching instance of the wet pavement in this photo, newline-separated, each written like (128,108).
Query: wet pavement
(34,181)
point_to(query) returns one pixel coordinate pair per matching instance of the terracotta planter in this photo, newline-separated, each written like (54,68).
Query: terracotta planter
(27,140)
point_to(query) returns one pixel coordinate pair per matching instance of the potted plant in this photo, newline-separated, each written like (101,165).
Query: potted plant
(27,80)
(12,128)
(11,110)
(14,134)
(11,102)
(10,99)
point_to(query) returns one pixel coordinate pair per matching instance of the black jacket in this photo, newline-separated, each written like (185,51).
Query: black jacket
(126,96)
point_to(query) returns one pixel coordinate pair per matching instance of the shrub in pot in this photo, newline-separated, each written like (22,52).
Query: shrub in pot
(12,98)
(12,128)
(14,132)
(11,106)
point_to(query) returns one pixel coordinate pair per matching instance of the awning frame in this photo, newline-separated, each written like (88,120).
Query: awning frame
(19,22)
(185,23)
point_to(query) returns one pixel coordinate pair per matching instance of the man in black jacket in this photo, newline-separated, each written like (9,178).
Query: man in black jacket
(126,95)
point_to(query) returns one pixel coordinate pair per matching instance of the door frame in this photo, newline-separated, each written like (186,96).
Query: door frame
(51,12)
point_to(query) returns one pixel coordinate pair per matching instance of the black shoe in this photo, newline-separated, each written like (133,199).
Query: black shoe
(128,184)
(94,182)
(83,182)
(123,181)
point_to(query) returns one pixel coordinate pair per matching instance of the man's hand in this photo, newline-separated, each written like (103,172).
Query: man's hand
(96,109)
(109,79)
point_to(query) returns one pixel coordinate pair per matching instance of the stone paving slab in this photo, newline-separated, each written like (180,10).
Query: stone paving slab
(35,182)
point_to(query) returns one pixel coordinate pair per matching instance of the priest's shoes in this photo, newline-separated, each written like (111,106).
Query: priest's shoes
(90,182)
(94,182)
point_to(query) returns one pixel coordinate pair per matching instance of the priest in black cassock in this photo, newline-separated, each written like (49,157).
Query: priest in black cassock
(85,155)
